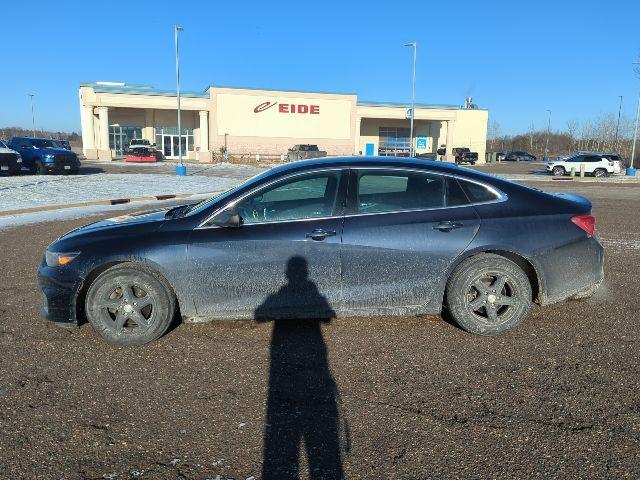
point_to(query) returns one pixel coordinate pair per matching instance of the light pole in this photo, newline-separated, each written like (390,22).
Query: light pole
(33,114)
(413,94)
(546,148)
(615,142)
(631,171)
(181,169)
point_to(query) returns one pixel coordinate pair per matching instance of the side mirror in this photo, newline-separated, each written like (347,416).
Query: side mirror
(229,219)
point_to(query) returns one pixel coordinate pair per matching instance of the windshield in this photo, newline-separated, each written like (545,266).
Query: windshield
(200,206)
(2,144)
(43,143)
(139,142)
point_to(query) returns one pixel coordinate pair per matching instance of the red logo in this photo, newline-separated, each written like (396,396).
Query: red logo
(263,106)
(289,108)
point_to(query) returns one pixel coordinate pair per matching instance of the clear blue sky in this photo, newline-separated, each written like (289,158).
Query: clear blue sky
(515,58)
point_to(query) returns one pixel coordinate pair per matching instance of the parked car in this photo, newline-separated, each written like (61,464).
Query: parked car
(354,235)
(304,152)
(43,155)
(594,164)
(140,143)
(64,144)
(10,160)
(464,155)
(500,156)
(427,156)
(519,157)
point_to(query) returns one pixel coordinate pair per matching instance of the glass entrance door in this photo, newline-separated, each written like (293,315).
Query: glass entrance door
(170,146)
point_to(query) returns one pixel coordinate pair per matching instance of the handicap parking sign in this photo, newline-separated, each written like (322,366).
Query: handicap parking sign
(422,142)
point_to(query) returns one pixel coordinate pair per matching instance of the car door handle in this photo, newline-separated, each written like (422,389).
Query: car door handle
(320,234)
(447,226)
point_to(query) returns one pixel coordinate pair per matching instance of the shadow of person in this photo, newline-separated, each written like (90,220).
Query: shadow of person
(302,402)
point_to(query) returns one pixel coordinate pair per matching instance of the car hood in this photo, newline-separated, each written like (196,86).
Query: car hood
(7,150)
(153,218)
(55,151)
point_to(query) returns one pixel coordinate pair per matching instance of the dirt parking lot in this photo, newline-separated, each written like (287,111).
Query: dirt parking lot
(370,398)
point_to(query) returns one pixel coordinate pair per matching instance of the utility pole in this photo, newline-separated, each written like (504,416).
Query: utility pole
(413,95)
(615,142)
(546,148)
(531,137)
(631,171)
(33,114)
(180,169)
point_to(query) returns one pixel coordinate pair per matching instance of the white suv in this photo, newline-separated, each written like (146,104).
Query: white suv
(596,164)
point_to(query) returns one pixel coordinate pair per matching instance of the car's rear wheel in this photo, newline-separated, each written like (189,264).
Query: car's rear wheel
(558,171)
(488,294)
(130,305)
(600,173)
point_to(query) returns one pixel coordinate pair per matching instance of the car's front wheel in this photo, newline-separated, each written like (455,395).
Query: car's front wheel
(558,171)
(130,305)
(488,294)
(40,169)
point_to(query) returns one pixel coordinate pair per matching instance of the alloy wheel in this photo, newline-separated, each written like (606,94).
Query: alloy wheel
(492,298)
(128,307)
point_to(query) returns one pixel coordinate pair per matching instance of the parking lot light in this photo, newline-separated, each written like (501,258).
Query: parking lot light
(33,113)
(413,96)
(181,169)
(631,171)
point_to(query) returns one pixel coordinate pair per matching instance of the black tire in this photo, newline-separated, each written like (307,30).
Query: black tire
(600,173)
(558,171)
(40,169)
(488,294)
(130,305)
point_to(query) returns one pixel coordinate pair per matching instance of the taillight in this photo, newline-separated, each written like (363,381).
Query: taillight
(585,222)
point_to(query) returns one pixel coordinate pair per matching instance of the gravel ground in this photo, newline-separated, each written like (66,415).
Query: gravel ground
(416,397)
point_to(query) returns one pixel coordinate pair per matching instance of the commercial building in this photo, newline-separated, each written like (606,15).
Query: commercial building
(248,121)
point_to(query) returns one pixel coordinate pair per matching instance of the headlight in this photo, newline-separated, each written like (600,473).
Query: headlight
(54,259)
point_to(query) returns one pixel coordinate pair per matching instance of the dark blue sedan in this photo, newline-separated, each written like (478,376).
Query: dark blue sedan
(326,237)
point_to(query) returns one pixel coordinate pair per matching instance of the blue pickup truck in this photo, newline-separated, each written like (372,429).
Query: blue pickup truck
(42,155)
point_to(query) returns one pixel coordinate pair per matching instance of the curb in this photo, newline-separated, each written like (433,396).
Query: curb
(113,201)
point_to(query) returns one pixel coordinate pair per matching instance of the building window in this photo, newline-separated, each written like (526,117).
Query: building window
(394,141)
(121,135)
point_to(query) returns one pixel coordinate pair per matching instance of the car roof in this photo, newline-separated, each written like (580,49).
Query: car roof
(33,138)
(392,162)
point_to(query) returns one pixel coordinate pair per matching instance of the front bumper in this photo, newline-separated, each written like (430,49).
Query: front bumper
(59,288)
(61,167)
(10,168)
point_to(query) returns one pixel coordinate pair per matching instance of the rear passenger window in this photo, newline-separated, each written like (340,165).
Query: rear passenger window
(397,191)
(478,193)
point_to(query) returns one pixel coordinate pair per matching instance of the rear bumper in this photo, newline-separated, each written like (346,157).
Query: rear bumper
(574,270)
(59,293)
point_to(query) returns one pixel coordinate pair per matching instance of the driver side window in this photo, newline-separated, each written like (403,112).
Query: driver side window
(308,196)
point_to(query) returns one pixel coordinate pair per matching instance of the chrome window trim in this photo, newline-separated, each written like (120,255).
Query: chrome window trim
(500,195)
